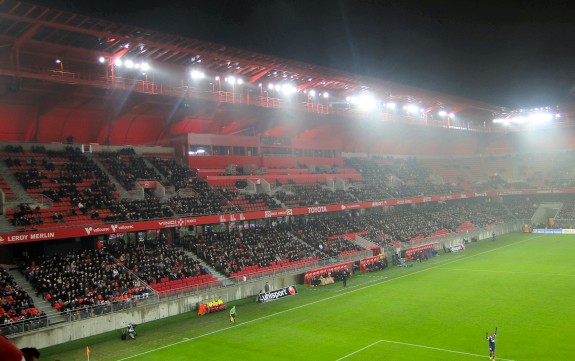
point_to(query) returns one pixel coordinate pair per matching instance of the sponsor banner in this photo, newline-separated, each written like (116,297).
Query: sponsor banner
(457,247)
(100,229)
(548,231)
(277,294)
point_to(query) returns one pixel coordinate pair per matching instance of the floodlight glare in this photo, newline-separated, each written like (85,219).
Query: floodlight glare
(412,108)
(442,113)
(231,80)
(118,62)
(390,105)
(312,93)
(196,74)
(129,64)
(540,117)
(240,81)
(58,61)
(101,60)
(326,95)
(217,78)
(270,86)
(366,102)
(145,66)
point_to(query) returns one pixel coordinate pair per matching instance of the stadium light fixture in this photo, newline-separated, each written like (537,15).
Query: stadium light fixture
(118,62)
(540,117)
(366,102)
(217,78)
(240,81)
(312,93)
(412,108)
(129,64)
(442,113)
(196,74)
(270,86)
(145,66)
(101,59)
(391,105)
(326,95)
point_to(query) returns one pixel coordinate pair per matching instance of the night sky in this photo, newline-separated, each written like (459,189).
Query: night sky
(515,54)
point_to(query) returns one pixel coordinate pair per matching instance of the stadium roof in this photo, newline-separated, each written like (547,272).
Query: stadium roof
(37,35)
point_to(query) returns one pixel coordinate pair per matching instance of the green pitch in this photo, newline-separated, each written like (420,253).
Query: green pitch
(437,310)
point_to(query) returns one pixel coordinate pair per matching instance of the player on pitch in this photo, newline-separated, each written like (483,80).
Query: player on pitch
(491,340)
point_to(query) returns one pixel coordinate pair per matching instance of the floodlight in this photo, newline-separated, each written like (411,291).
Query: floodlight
(145,66)
(390,105)
(412,108)
(129,64)
(118,62)
(442,113)
(231,80)
(326,95)
(58,61)
(240,81)
(101,60)
(217,78)
(366,102)
(312,93)
(540,117)
(270,86)
(196,74)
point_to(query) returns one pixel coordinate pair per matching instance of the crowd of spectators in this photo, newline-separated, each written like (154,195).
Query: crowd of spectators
(135,210)
(17,310)
(567,211)
(395,178)
(294,195)
(127,167)
(230,252)
(177,175)
(322,233)
(76,281)
(156,262)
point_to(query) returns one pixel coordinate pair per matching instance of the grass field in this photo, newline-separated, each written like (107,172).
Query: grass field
(437,310)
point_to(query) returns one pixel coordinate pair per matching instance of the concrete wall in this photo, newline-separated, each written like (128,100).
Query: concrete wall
(71,331)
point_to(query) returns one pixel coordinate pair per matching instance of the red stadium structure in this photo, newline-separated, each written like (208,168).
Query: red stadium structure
(89,108)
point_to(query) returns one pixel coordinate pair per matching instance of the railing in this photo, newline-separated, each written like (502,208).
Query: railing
(76,314)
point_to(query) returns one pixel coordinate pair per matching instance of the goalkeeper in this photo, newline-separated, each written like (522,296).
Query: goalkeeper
(491,340)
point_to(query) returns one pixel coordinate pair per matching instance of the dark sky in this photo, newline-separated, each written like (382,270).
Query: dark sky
(506,52)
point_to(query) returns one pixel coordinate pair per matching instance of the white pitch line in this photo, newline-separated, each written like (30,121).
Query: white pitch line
(319,301)
(419,346)
(358,351)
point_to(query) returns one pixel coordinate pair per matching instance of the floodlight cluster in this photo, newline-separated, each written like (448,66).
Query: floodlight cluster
(534,118)
(131,64)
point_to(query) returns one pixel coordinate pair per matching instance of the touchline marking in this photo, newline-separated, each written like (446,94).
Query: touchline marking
(419,346)
(319,301)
